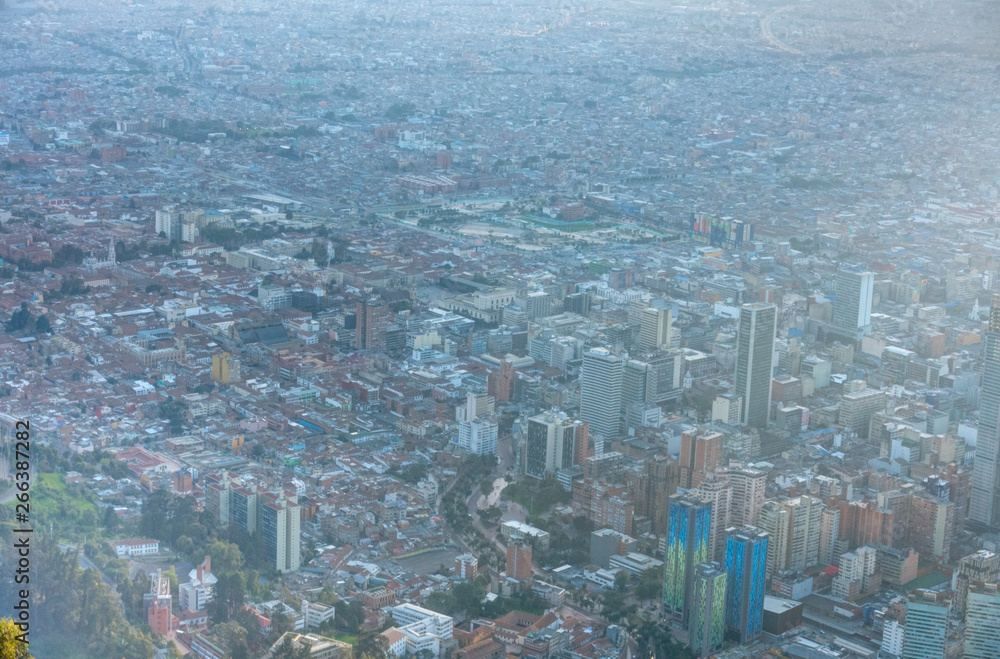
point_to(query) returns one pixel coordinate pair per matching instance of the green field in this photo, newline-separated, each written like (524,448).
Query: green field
(347,638)
(51,500)
(568,227)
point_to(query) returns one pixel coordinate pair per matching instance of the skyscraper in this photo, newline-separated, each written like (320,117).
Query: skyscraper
(852,306)
(707,620)
(926,624)
(774,519)
(981,566)
(374,317)
(601,392)
(755,361)
(806,525)
(701,453)
(746,564)
(688,529)
(279,524)
(982,622)
(716,488)
(654,329)
(554,441)
(984,499)
(749,487)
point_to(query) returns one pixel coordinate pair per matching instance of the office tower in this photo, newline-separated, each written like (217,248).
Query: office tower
(852,306)
(656,483)
(654,329)
(554,441)
(746,564)
(272,297)
(716,489)
(664,376)
(601,392)
(707,620)
(701,452)
(892,640)
(981,566)
(755,360)
(857,409)
(374,317)
(633,383)
(728,408)
(168,223)
(829,536)
(519,562)
(775,519)
(857,575)
(279,524)
(749,487)
(926,624)
(984,499)
(606,543)
(982,622)
(688,528)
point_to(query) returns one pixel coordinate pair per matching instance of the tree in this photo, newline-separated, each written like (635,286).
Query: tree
(371,645)
(11,646)
(42,325)
(621,580)
(19,319)
(226,556)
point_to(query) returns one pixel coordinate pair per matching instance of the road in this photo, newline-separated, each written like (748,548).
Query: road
(13,491)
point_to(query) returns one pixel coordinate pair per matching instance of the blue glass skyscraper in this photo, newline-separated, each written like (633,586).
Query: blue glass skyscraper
(746,564)
(688,529)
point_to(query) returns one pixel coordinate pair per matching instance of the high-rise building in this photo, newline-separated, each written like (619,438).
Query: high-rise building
(479,436)
(749,488)
(746,564)
(477,404)
(707,620)
(272,297)
(984,499)
(279,524)
(806,523)
(466,566)
(755,361)
(225,368)
(857,409)
(168,223)
(982,622)
(774,518)
(374,318)
(519,562)
(554,441)
(852,306)
(829,535)
(858,574)
(981,566)
(654,329)
(688,529)
(926,624)
(701,453)
(892,640)
(601,392)
(716,489)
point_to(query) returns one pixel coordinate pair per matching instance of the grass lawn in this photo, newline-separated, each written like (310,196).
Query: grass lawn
(347,638)
(52,501)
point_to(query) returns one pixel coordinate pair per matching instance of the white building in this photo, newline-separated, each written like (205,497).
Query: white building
(135,547)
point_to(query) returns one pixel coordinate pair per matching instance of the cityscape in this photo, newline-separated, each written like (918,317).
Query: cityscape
(500,329)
